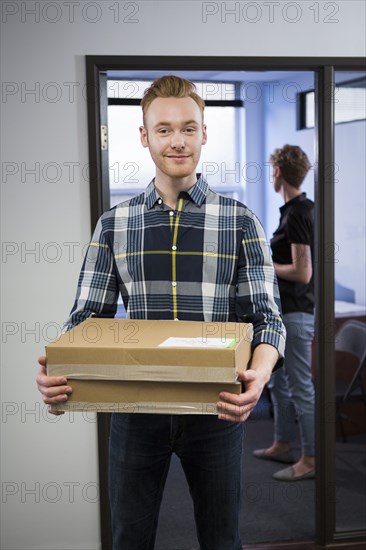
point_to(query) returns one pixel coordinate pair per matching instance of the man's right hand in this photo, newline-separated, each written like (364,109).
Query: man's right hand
(54,389)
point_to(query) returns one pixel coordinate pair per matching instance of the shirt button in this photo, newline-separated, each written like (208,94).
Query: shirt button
(174,247)
(160,201)
(171,213)
(174,283)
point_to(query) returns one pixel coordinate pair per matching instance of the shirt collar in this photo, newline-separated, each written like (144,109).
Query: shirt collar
(151,195)
(197,193)
(287,204)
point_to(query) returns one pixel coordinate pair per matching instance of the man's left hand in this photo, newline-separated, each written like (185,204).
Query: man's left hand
(237,408)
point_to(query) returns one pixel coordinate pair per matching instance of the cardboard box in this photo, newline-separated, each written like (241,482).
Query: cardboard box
(173,367)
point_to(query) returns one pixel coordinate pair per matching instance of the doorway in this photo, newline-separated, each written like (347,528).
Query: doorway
(323,136)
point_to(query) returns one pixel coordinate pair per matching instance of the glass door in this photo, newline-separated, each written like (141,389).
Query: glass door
(350,299)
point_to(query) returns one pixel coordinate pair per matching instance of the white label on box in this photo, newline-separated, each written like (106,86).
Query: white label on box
(218,343)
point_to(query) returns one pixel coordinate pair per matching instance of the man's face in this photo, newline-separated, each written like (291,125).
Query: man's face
(174,133)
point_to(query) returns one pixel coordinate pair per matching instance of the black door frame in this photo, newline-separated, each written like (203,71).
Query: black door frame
(324,70)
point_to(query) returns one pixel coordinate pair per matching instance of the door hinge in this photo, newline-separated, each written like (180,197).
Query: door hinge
(104,137)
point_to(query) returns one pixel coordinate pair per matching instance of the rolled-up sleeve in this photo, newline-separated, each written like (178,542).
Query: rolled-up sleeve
(258,299)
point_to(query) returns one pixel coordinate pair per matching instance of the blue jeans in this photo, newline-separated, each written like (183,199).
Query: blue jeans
(210,451)
(292,388)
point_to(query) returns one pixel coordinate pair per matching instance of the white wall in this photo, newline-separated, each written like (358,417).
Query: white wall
(270,123)
(280,128)
(349,251)
(49,468)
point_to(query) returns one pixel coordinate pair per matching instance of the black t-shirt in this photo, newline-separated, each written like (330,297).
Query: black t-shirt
(296,227)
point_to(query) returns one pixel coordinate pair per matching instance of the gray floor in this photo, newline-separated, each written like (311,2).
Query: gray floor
(271,510)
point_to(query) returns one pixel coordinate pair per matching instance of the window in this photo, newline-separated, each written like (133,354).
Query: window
(130,165)
(349,104)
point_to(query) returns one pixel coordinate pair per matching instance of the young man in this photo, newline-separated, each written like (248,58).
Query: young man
(292,387)
(156,249)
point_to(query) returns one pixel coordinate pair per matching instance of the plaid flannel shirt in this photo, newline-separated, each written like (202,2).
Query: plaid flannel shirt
(208,260)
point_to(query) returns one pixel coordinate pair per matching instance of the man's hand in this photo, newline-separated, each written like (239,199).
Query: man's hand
(54,389)
(237,408)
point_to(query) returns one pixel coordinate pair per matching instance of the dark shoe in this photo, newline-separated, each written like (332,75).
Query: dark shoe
(288,475)
(287,457)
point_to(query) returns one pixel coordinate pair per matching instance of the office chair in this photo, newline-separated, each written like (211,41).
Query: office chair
(351,338)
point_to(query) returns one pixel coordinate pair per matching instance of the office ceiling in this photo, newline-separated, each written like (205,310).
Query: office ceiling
(222,76)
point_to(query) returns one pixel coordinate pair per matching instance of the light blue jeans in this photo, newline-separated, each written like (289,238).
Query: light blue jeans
(292,388)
